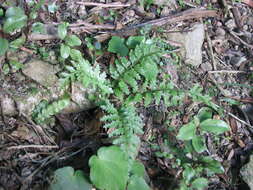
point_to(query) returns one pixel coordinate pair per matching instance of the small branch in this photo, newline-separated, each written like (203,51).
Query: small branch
(33,146)
(238,119)
(102,5)
(209,42)
(238,38)
(226,71)
(185,15)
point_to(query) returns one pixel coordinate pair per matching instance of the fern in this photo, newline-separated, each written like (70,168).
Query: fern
(44,111)
(139,71)
(164,91)
(82,71)
(126,124)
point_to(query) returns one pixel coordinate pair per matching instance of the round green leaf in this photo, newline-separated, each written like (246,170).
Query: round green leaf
(137,183)
(73,40)
(65,51)
(116,45)
(15,44)
(16,19)
(62,30)
(187,132)
(133,41)
(138,169)
(188,173)
(212,165)
(205,113)
(199,144)
(109,169)
(214,126)
(66,178)
(200,183)
(14,11)
(4,45)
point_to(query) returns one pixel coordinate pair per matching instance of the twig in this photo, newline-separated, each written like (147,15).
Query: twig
(238,38)
(226,71)
(36,37)
(33,146)
(26,50)
(238,119)
(185,15)
(102,5)
(209,42)
(237,17)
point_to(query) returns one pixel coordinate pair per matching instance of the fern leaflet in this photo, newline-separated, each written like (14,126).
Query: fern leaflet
(82,71)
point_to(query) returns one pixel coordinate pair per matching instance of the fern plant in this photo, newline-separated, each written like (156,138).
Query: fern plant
(126,125)
(137,72)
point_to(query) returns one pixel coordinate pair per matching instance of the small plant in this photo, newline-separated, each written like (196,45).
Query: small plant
(132,80)
(14,19)
(196,166)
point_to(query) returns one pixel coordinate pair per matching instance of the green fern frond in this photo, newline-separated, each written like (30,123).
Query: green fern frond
(141,68)
(164,91)
(82,71)
(44,111)
(126,124)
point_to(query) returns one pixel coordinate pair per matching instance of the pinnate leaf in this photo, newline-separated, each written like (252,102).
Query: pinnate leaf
(109,169)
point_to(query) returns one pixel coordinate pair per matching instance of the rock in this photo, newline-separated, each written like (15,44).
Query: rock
(44,74)
(170,3)
(41,72)
(8,105)
(247,173)
(191,44)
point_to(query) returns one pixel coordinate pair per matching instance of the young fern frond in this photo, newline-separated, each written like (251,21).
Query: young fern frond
(82,71)
(128,74)
(44,111)
(164,91)
(127,124)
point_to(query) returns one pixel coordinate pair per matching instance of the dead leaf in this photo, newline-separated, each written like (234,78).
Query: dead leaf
(248,2)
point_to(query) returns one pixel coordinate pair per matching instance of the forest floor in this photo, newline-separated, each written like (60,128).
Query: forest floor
(211,45)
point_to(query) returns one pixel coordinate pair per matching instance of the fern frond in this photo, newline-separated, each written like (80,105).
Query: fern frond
(164,91)
(82,71)
(127,124)
(44,111)
(141,68)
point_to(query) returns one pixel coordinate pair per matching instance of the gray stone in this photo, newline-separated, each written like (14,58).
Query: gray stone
(45,74)
(41,72)
(169,3)
(247,173)
(191,44)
